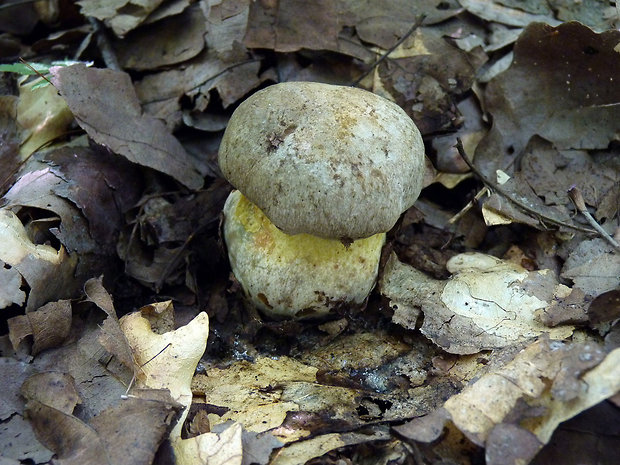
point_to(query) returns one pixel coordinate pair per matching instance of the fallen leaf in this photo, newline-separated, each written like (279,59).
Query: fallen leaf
(524,380)
(287,27)
(42,115)
(15,373)
(132,431)
(167,42)
(303,451)
(102,185)
(258,447)
(243,390)
(49,326)
(10,286)
(593,266)
(284,28)
(570,309)
(36,189)
(502,12)
(105,105)
(426,75)
(120,15)
(112,336)
(72,441)
(54,389)
(10,134)
(605,307)
(588,438)
(509,444)
(211,448)
(127,433)
(226,25)
(488,303)
(19,444)
(554,71)
(48,272)
(168,360)
(233,75)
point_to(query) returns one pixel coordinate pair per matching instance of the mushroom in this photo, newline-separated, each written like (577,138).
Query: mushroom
(322,173)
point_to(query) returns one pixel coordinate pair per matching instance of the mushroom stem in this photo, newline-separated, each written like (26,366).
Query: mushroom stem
(297,275)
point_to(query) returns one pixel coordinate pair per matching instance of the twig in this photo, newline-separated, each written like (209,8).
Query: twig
(383,57)
(575,195)
(42,76)
(500,190)
(482,192)
(103,42)
(133,378)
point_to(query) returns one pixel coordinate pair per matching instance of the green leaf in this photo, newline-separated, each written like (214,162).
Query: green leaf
(21,68)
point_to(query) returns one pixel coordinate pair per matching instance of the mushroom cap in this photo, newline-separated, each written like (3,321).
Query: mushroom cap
(295,276)
(326,160)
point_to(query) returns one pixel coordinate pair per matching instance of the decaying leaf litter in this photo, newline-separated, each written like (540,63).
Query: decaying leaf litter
(492,334)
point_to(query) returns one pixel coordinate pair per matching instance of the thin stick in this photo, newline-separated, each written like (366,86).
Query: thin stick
(500,190)
(35,71)
(482,192)
(575,195)
(133,378)
(105,46)
(383,57)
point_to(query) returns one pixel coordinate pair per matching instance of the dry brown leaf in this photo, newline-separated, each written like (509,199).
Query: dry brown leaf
(605,308)
(593,266)
(132,431)
(72,441)
(54,389)
(509,444)
(17,439)
(558,87)
(167,42)
(14,374)
(425,76)
(112,337)
(120,15)
(19,444)
(291,26)
(293,400)
(127,433)
(36,187)
(498,11)
(233,75)
(10,286)
(488,303)
(105,105)
(226,25)
(524,380)
(102,185)
(49,326)
(542,183)
(544,385)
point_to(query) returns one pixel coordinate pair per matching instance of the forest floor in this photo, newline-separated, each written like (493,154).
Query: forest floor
(492,334)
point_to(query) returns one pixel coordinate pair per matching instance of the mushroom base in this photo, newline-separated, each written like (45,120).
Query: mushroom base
(300,275)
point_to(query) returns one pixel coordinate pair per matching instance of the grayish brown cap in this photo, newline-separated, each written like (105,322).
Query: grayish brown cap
(326,160)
